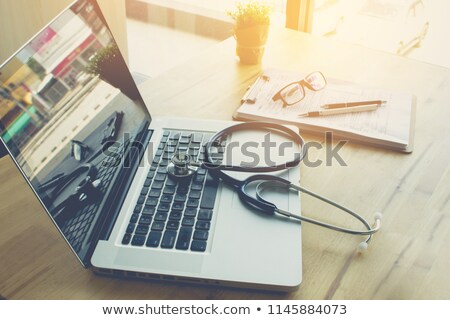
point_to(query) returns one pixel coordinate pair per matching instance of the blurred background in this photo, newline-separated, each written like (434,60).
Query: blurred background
(180,29)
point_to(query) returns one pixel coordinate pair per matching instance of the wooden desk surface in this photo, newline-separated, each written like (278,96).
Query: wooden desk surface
(408,259)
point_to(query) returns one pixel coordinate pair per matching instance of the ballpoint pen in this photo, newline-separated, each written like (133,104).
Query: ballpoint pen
(352,104)
(335,111)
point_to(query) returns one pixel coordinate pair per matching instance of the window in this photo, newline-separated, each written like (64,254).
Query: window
(411,28)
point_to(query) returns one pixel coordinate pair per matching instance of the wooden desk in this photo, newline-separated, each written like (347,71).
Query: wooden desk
(409,259)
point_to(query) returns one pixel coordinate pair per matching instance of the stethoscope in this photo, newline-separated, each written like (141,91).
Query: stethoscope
(183,166)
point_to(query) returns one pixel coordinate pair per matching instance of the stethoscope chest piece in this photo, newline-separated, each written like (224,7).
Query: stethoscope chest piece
(182,166)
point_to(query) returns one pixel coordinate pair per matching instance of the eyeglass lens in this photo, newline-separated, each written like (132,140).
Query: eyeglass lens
(316,80)
(295,92)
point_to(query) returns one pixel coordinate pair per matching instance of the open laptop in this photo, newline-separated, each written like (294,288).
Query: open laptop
(78,129)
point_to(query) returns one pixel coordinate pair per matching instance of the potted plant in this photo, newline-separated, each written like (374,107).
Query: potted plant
(109,65)
(251,29)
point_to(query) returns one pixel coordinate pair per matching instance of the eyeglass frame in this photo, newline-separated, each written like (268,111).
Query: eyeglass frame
(277,96)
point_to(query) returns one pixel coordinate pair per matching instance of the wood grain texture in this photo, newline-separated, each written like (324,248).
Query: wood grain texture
(22,19)
(408,259)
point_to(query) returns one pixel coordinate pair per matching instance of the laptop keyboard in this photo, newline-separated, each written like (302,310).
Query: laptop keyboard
(174,214)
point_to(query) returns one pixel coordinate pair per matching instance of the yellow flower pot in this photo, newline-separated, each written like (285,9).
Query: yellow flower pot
(251,42)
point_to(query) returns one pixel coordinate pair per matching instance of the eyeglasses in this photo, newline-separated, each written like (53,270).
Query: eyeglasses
(295,91)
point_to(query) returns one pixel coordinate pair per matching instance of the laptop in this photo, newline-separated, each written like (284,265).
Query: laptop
(79,131)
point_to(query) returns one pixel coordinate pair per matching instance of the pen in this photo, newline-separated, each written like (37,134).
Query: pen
(331,112)
(352,104)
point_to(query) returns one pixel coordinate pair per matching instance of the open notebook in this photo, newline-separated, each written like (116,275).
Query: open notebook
(390,126)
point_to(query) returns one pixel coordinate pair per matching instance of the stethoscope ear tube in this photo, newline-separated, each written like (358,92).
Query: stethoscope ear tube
(255,125)
(259,203)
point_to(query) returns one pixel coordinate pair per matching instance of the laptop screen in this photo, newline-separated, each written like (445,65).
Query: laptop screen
(67,101)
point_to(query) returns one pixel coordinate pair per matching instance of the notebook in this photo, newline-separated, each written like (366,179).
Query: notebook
(391,126)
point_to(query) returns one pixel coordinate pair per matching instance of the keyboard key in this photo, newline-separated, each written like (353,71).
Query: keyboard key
(142,229)
(148,210)
(126,239)
(147,183)
(171,182)
(176,215)
(169,190)
(138,240)
(205,214)
(164,207)
(157,185)
(190,212)
(172,225)
(180,197)
(138,208)
(160,177)
(141,200)
(192,203)
(166,133)
(151,202)
(160,216)
(178,206)
(195,194)
(197,187)
(153,239)
(183,189)
(134,218)
(199,178)
(203,225)
(158,226)
(197,138)
(144,191)
(198,246)
(209,193)
(162,170)
(184,140)
(145,220)
(186,135)
(167,198)
(193,152)
(130,228)
(175,136)
(168,240)
(188,222)
(164,163)
(154,193)
(151,174)
(184,238)
(201,235)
